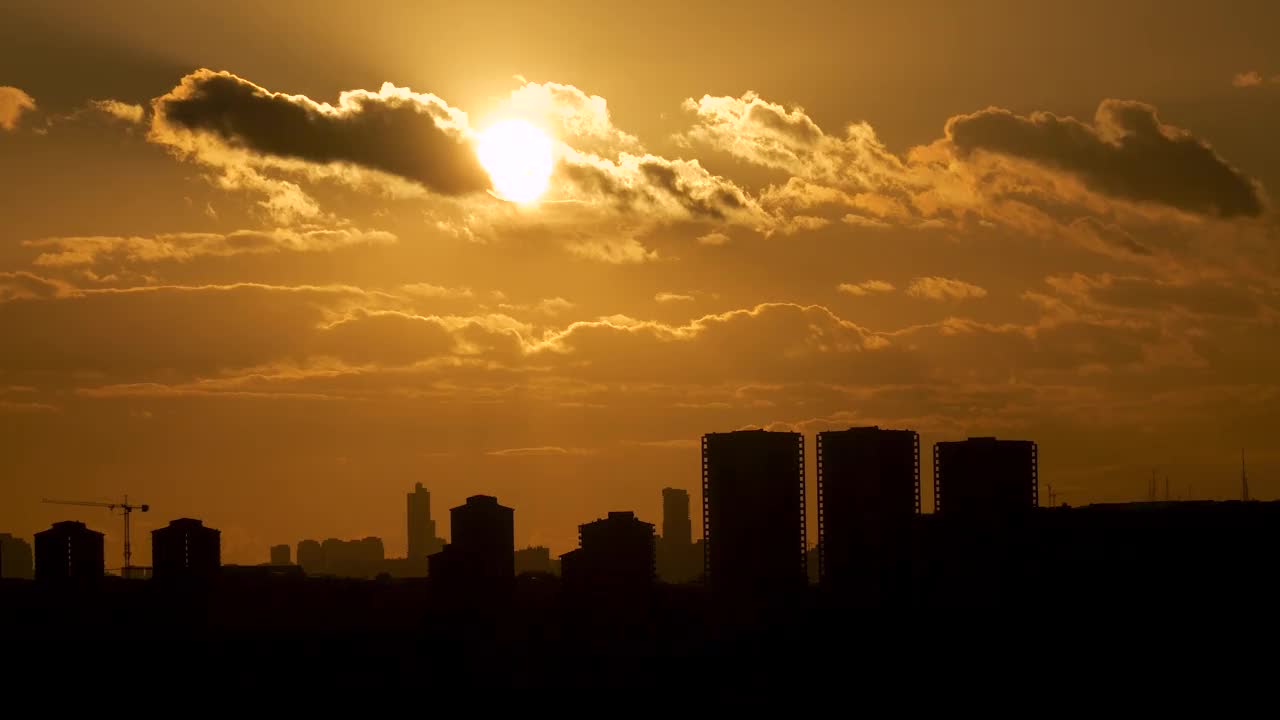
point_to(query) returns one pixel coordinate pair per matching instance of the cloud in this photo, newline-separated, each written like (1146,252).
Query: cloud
(614,252)
(1111,292)
(1126,152)
(773,135)
(546,306)
(940,288)
(13,102)
(119,110)
(414,136)
(428,290)
(864,221)
(669,297)
(543,451)
(865,288)
(27,286)
(713,239)
(184,247)
(671,189)
(1251,78)
(572,115)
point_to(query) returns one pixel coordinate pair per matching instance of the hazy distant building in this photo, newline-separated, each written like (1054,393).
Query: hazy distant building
(753,512)
(615,555)
(185,549)
(422,529)
(868,498)
(678,559)
(676,525)
(69,551)
(311,557)
(985,478)
(362,558)
(280,555)
(534,560)
(15,558)
(481,556)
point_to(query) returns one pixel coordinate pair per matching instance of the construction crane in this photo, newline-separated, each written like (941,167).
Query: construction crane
(126,509)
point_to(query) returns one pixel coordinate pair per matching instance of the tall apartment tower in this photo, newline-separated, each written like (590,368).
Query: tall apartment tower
(868,498)
(753,513)
(185,549)
(679,559)
(677,528)
(422,529)
(481,555)
(984,478)
(69,551)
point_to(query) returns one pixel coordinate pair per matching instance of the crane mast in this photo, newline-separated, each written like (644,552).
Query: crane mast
(126,509)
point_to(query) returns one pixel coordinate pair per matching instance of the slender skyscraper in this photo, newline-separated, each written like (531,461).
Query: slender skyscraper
(753,512)
(422,529)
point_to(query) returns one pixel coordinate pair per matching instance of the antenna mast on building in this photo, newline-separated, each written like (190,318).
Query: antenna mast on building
(1244,479)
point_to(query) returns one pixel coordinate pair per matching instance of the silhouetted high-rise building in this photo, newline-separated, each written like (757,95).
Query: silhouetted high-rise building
(753,515)
(678,559)
(481,555)
(422,529)
(280,555)
(868,497)
(185,549)
(15,558)
(533,560)
(310,557)
(69,551)
(985,478)
(616,555)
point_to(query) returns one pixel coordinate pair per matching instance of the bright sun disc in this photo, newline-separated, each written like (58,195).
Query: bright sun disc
(517,156)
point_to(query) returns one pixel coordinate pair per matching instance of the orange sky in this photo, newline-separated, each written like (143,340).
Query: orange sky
(244,280)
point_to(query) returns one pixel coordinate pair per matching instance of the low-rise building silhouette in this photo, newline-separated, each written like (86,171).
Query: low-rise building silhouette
(615,555)
(362,558)
(185,549)
(753,513)
(15,558)
(534,559)
(868,498)
(984,479)
(280,555)
(69,551)
(481,554)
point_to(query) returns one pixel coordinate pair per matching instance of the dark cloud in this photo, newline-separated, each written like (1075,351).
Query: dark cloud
(1126,152)
(413,136)
(673,188)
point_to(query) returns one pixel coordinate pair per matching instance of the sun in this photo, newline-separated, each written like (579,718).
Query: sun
(517,156)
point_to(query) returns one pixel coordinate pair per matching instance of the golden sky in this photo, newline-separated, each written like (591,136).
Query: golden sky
(253,271)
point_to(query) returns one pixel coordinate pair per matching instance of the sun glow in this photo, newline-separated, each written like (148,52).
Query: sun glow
(517,156)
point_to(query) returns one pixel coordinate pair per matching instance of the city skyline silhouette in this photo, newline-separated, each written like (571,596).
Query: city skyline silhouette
(661,345)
